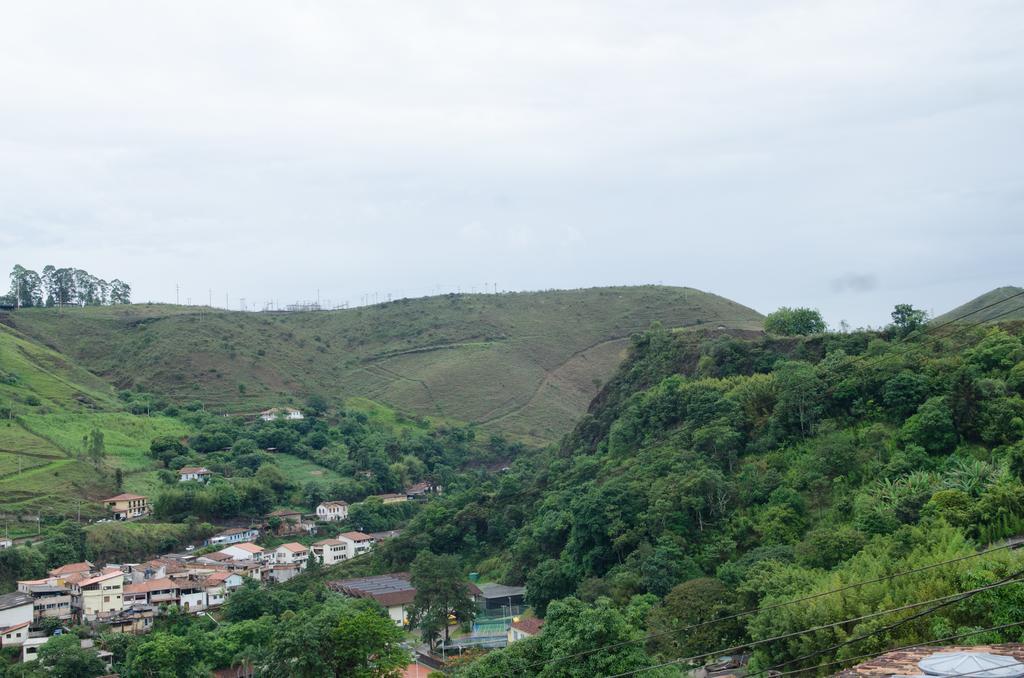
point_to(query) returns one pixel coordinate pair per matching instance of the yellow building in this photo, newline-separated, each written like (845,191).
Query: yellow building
(128,506)
(99,597)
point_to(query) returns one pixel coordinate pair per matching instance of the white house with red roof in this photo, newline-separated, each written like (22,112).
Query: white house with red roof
(332,510)
(245,551)
(199,473)
(356,543)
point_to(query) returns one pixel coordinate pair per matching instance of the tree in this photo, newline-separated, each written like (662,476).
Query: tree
(440,591)
(120,292)
(26,287)
(907,319)
(932,426)
(339,638)
(63,657)
(95,448)
(792,321)
(695,603)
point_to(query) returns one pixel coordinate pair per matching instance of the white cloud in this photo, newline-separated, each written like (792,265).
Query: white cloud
(757,150)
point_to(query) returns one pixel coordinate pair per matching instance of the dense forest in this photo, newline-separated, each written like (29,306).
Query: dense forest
(721,472)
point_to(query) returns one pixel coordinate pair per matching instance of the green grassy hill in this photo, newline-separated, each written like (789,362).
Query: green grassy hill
(1009,309)
(47,404)
(524,364)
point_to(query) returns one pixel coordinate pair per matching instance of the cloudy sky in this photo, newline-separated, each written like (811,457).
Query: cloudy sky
(843,155)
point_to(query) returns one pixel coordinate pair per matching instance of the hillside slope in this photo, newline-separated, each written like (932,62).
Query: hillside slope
(1007,310)
(47,405)
(525,364)
(718,472)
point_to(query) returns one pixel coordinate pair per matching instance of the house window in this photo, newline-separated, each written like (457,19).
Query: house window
(106,599)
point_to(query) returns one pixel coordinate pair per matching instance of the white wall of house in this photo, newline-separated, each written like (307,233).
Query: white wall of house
(193,602)
(16,615)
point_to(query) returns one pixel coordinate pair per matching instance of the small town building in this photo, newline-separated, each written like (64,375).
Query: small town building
(127,506)
(16,615)
(198,473)
(49,600)
(6,543)
(245,551)
(332,510)
(498,597)
(151,592)
(291,553)
(356,543)
(83,567)
(98,597)
(421,491)
(394,592)
(524,628)
(191,596)
(281,413)
(290,522)
(330,551)
(235,535)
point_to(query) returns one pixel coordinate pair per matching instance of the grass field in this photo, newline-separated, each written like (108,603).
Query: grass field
(994,305)
(49,404)
(525,364)
(125,436)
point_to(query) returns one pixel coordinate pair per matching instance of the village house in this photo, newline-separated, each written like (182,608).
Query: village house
(244,551)
(127,506)
(98,597)
(281,413)
(191,596)
(290,554)
(524,628)
(356,543)
(16,615)
(198,473)
(48,599)
(6,543)
(330,551)
(421,491)
(84,567)
(392,591)
(151,592)
(332,510)
(508,599)
(235,535)
(290,522)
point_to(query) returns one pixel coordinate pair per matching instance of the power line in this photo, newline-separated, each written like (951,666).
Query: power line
(926,643)
(927,330)
(1006,580)
(775,606)
(954,597)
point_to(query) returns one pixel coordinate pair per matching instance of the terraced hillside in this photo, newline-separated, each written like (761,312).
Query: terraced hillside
(525,364)
(47,405)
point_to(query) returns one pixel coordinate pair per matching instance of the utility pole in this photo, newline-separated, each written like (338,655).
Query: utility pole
(177,292)
(210,303)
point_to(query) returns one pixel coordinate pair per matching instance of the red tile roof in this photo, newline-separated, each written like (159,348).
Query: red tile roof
(355,536)
(529,625)
(102,577)
(151,585)
(84,566)
(124,497)
(293,547)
